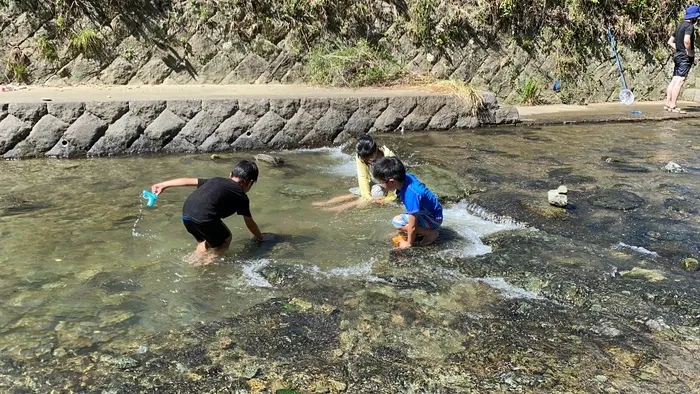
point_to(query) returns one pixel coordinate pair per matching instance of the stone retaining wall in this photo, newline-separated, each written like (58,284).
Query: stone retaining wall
(74,129)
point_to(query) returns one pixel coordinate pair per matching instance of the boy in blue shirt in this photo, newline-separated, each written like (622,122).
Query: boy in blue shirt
(423,210)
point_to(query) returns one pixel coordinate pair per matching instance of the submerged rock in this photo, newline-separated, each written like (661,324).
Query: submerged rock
(299,191)
(444,183)
(269,159)
(565,175)
(643,273)
(122,362)
(690,264)
(616,199)
(657,324)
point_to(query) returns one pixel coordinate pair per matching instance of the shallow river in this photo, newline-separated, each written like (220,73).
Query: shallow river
(86,267)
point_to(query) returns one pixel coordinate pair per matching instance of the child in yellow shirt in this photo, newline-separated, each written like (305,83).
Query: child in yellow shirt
(367,153)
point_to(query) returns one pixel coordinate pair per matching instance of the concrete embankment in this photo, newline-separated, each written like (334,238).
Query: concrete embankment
(96,121)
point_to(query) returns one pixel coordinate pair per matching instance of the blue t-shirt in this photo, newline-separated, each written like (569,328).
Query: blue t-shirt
(419,199)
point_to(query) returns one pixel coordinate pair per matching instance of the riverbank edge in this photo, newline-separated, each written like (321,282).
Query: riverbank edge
(79,122)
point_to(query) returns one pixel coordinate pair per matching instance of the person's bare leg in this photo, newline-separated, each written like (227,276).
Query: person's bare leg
(675,92)
(204,256)
(429,235)
(199,256)
(216,252)
(669,91)
(352,204)
(335,200)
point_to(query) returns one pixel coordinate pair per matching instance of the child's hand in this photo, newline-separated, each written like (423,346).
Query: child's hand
(380,201)
(157,188)
(403,244)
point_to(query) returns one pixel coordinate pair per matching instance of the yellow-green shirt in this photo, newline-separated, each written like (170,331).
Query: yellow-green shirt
(364,178)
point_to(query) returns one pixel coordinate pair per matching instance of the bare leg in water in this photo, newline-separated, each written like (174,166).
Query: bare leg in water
(335,200)
(204,255)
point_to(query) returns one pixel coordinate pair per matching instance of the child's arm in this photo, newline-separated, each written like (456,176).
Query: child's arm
(253,228)
(363,179)
(160,187)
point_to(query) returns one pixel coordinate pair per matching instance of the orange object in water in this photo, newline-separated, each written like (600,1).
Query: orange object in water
(397,239)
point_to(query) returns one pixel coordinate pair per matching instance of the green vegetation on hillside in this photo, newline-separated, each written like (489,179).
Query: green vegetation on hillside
(357,65)
(333,35)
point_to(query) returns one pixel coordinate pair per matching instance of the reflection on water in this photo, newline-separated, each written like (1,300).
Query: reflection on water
(78,242)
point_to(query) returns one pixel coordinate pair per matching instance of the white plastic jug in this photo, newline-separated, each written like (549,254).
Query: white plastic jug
(626,97)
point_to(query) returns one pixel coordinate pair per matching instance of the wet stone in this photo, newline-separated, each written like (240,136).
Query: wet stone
(681,205)
(626,167)
(643,273)
(690,264)
(281,274)
(122,362)
(616,199)
(269,159)
(112,318)
(444,183)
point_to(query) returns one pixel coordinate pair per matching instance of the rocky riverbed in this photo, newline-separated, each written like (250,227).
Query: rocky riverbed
(597,297)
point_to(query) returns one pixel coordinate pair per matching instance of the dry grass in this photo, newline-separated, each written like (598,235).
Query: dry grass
(464,92)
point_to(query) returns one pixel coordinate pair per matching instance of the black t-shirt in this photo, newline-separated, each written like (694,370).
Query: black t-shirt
(685,28)
(216,198)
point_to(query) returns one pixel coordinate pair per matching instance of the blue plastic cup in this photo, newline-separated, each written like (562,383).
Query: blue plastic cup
(150,198)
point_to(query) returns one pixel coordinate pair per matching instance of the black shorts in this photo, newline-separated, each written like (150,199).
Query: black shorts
(214,233)
(682,64)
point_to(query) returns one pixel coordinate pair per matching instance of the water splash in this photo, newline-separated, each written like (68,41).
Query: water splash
(251,273)
(472,223)
(134,232)
(362,270)
(509,291)
(638,249)
(342,163)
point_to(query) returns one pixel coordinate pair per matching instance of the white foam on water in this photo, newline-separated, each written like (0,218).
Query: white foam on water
(638,249)
(362,270)
(343,164)
(508,290)
(472,223)
(251,275)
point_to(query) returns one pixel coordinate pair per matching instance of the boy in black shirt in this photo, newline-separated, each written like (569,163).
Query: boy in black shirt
(683,44)
(216,199)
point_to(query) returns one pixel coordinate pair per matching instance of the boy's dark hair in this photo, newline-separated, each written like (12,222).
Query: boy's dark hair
(389,168)
(246,171)
(366,147)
